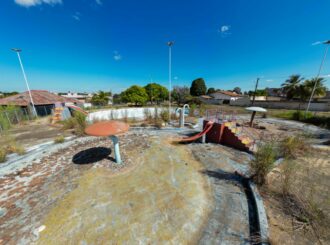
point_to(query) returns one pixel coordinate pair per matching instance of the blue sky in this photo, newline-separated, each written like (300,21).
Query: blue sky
(89,45)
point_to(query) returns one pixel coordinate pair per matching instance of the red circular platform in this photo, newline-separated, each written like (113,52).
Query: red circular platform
(107,128)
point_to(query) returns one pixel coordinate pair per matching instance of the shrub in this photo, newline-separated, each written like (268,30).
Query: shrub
(68,123)
(164,115)
(77,122)
(287,176)
(293,146)
(192,109)
(3,155)
(263,162)
(59,139)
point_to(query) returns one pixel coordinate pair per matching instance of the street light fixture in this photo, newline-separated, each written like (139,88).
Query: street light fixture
(318,75)
(169,44)
(17,51)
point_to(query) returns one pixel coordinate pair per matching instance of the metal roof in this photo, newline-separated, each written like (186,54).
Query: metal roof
(40,97)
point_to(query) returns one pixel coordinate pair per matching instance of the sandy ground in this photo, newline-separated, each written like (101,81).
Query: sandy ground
(35,132)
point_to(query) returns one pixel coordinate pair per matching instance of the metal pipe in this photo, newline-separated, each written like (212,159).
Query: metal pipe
(115,141)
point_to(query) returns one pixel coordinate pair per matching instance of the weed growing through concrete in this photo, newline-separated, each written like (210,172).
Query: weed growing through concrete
(59,139)
(263,162)
(77,122)
(3,155)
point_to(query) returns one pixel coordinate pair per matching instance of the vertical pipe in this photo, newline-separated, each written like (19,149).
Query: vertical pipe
(116,147)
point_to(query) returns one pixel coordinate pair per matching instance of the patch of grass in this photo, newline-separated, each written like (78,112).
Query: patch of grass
(321,120)
(288,169)
(164,115)
(263,162)
(3,155)
(11,146)
(59,139)
(77,122)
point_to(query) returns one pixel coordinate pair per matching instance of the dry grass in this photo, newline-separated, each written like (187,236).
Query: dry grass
(59,139)
(3,155)
(298,193)
(263,162)
(77,122)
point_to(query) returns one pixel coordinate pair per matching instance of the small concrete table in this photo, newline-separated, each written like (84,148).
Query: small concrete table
(254,110)
(109,129)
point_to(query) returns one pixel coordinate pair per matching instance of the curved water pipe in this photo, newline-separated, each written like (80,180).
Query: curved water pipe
(182,112)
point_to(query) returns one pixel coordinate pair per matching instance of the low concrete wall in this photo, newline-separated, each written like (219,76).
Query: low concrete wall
(289,105)
(136,113)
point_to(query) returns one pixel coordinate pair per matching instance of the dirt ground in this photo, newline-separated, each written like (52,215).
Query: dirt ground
(35,132)
(310,181)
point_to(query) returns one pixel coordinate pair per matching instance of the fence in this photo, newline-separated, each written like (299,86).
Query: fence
(13,116)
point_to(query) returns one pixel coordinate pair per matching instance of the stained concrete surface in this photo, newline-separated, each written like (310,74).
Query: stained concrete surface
(164,199)
(229,222)
(164,193)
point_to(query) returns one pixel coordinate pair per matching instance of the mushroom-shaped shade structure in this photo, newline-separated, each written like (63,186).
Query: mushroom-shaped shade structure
(109,129)
(254,110)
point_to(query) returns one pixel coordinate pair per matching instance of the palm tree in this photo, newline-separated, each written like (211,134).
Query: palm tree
(292,86)
(320,89)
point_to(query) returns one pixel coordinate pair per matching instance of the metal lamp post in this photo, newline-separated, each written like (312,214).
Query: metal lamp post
(169,44)
(17,51)
(318,75)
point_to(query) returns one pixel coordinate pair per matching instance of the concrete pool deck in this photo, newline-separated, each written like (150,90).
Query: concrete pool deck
(165,193)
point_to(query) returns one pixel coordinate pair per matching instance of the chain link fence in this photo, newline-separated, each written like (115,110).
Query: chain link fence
(13,116)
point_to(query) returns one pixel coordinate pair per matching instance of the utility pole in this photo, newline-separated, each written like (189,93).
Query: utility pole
(318,75)
(17,51)
(169,44)
(255,91)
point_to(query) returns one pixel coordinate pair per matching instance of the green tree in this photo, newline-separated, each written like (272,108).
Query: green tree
(156,92)
(211,91)
(100,99)
(237,90)
(135,94)
(259,92)
(198,87)
(308,85)
(292,86)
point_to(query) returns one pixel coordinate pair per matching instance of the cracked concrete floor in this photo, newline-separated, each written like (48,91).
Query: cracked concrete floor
(162,196)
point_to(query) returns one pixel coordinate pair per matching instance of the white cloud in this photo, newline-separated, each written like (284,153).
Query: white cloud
(76,16)
(30,3)
(175,78)
(99,2)
(224,29)
(269,80)
(326,76)
(117,56)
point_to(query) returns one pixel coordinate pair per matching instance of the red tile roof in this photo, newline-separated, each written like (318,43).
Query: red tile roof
(40,97)
(229,93)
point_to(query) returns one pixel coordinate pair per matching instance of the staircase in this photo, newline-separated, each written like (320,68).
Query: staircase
(237,137)
(57,114)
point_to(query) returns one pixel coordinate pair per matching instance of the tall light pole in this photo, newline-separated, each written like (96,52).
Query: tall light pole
(318,74)
(169,44)
(17,51)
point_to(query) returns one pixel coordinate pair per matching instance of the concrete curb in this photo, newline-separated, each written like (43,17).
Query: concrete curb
(261,213)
